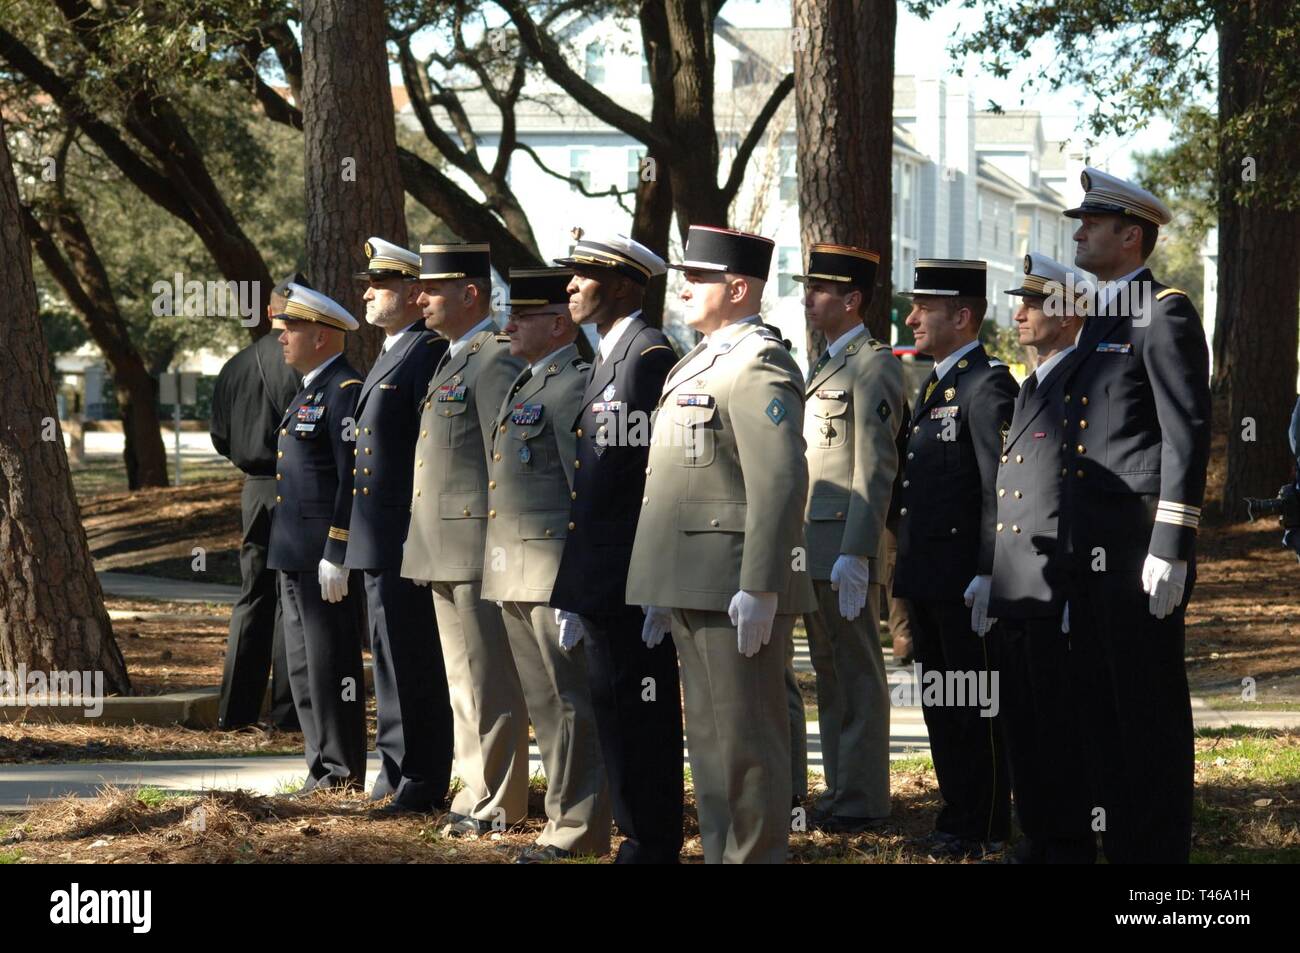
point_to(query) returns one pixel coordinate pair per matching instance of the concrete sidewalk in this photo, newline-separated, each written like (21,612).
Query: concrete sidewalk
(135,586)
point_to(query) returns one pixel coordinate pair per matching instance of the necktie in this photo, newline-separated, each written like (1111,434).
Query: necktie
(442,362)
(821,362)
(520,381)
(1027,390)
(931,383)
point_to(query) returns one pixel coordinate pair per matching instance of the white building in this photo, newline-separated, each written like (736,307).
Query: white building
(966,184)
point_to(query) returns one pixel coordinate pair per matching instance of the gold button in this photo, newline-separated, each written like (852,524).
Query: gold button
(1020,458)
(418,464)
(496,456)
(903,511)
(279,476)
(354,471)
(369,451)
(1079,474)
(492,514)
(916,430)
(465,512)
(365,471)
(279,499)
(577,464)
(1001,492)
(356,452)
(579,431)
(999,527)
(573,526)
(424,433)
(548,532)
(1015,529)
(354,491)
(573,495)
(1081,448)
(503,428)
(1004,458)
(365,491)
(1084,401)
(446,413)
(1083,425)
(1017,494)
(906,484)
(839,516)
(492,484)
(714,523)
(1067,398)
(647,471)
(417,491)
(279,453)
(645,500)
(283,432)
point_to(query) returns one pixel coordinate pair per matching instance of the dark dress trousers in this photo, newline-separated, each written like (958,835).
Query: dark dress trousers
(413,735)
(1040,720)
(248,400)
(1137,437)
(312,513)
(947,524)
(641,741)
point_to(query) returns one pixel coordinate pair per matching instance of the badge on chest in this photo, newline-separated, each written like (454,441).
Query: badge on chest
(309,417)
(525,415)
(694,400)
(450,392)
(940,413)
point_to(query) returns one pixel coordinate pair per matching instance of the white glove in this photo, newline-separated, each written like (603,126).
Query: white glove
(1164,582)
(571,628)
(333,580)
(658,621)
(752,614)
(977,598)
(850,577)
(1065,620)
(422,582)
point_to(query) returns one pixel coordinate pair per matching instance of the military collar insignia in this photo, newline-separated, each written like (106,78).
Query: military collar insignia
(950,393)
(609,392)
(851,349)
(962,364)
(553,369)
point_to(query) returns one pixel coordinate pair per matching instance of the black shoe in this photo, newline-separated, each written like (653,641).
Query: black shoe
(398,809)
(842,824)
(538,854)
(460,825)
(962,848)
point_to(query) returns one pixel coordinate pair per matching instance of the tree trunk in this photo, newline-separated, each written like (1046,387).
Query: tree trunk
(354,188)
(652,217)
(844,97)
(83,278)
(1259,275)
(52,615)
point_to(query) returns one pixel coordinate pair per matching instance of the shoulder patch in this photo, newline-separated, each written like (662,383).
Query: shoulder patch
(655,347)
(1161,295)
(350,382)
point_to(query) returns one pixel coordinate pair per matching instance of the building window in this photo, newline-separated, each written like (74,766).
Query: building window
(594,72)
(742,72)
(580,168)
(789,174)
(788,263)
(634,157)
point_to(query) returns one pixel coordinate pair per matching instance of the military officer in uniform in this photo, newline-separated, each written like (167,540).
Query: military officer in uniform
(529,489)
(413,714)
(1137,441)
(1040,723)
(854,397)
(309,537)
(946,530)
(444,545)
(248,400)
(640,732)
(718,547)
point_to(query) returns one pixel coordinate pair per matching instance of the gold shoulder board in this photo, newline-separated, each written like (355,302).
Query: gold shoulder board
(350,382)
(655,347)
(1161,295)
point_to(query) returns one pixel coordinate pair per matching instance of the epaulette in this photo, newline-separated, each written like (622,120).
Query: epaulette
(503,338)
(880,345)
(994,362)
(655,347)
(580,363)
(350,382)
(1161,295)
(434,339)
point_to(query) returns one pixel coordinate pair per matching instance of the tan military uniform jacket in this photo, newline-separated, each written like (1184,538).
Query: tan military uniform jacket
(727,480)
(449,509)
(854,410)
(530,482)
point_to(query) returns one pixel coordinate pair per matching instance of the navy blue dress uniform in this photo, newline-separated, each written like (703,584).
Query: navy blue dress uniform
(1137,442)
(413,713)
(1039,718)
(311,518)
(640,739)
(248,400)
(946,532)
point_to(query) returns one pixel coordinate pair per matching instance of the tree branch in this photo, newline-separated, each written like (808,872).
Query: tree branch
(611,192)
(746,148)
